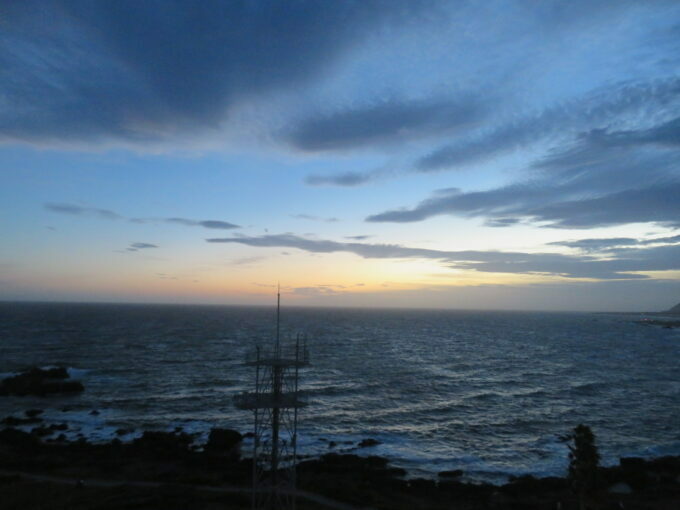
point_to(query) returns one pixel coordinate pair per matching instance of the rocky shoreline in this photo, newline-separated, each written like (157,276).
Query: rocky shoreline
(182,468)
(46,465)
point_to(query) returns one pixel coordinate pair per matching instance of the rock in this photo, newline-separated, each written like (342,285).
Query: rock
(32,413)
(620,488)
(368,442)
(61,426)
(634,472)
(18,438)
(123,432)
(42,431)
(223,441)
(453,473)
(40,382)
(94,412)
(332,444)
(13,421)
(163,444)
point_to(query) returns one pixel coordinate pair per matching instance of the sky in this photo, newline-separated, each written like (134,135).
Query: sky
(513,155)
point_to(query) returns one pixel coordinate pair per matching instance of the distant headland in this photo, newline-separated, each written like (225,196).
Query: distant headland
(675,310)
(668,324)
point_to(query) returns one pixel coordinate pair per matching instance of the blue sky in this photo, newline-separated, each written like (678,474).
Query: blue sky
(449,154)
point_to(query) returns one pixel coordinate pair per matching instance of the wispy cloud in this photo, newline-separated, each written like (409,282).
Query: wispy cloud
(140,246)
(311,217)
(627,263)
(107,214)
(390,121)
(77,210)
(214,224)
(347,179)
(615,243)
(604,178)
(246,261)
(593,110)
(359,237)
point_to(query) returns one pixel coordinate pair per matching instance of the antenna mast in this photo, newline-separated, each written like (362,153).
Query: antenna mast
(275,404)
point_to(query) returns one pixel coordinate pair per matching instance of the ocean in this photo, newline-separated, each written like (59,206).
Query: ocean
(486,392)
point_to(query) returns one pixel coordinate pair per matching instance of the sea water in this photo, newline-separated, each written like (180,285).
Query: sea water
(487,392)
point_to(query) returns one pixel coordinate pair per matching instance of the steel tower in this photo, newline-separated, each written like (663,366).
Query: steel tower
(275,404)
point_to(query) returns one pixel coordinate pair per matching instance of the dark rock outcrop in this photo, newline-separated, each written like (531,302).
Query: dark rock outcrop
(13,421)
(453,473)
(365,443)
(224,442)
(41,382)
(163,444)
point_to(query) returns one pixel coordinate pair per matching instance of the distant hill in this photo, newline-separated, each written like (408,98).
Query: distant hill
(675,309)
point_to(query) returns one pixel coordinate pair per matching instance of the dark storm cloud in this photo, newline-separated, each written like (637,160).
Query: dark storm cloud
(645,259)
(82,70)
(391,121)
(110,215)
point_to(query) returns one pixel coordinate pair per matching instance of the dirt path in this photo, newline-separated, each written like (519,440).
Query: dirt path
(94,482)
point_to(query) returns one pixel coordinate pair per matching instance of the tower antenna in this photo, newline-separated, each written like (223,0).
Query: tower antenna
(275,404)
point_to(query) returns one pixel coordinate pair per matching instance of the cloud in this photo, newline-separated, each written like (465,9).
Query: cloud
(647,259)
(314,218)
(214,224)
(319,290)
(658,204)
(137,71)
(617,245)
(141,246)
(77,210)
(593,113)
(247,261)
(390,121)
(595,108)
(347,179)
(596,245)
(502,222)
(603,178)
(358,238)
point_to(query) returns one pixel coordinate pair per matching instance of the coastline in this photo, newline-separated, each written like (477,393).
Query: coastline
(162,466)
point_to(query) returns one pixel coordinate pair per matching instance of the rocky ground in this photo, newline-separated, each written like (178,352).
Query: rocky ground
(169,472)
